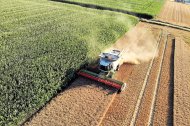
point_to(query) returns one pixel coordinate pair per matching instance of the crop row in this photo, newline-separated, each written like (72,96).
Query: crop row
(22,13)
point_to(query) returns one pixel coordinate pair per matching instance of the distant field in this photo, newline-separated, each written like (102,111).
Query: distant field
(150,7)
(42,43)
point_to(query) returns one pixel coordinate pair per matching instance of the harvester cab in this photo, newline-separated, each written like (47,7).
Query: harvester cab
(109,62)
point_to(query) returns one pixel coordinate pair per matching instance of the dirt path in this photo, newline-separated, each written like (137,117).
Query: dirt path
(182,84)
(175,12)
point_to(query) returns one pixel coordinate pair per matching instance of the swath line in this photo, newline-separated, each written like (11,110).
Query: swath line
(108,106)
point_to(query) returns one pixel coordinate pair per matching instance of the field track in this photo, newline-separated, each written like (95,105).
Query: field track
(176,13)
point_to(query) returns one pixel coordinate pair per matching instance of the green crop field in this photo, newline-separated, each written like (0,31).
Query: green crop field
(150,7)
(42,43)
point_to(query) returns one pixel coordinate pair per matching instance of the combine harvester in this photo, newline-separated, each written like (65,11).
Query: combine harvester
(108,64)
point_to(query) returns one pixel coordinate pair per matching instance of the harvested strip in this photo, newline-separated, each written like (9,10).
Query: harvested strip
(163,112)
(124,72)
(82,104)
(145,107)
(181,84)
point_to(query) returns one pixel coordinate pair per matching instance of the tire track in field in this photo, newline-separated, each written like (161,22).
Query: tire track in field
(145,106)
(105,111)
(171,14)
(175,14)
(178,15)
(54,8)
(17,8)
(9,5)
(187,12)
(26,3)
(136,111)
(31,16)
(25,10)
(34,24)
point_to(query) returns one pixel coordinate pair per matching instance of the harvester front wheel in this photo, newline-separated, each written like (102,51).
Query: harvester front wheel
(117,68)
(122,88)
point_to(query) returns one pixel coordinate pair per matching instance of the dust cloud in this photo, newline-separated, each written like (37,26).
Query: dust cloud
(141,46)
(137,46)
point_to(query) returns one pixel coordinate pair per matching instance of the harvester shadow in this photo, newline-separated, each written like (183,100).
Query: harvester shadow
(93,6)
